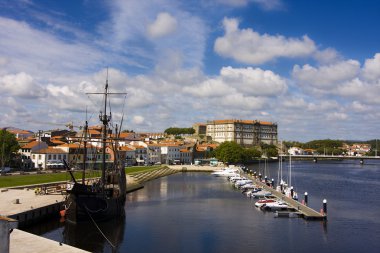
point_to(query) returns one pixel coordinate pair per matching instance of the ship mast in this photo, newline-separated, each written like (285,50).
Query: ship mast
(84,152)
(105,119)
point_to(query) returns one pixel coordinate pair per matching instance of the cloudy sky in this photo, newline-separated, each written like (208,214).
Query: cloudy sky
(313,67)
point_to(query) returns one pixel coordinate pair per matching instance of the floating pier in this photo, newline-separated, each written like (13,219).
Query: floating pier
(301,209)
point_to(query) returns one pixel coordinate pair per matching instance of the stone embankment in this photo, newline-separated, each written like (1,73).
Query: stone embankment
(136,180)
(26,206)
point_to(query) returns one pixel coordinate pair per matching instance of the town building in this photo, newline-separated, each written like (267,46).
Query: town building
(170,153)
(26,153)
(244,132)
(49,158)
(357,149)
(200,128)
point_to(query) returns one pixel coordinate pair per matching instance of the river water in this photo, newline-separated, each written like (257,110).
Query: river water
(196,212)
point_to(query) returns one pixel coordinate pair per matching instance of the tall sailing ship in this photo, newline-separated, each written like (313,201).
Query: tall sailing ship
(105,197)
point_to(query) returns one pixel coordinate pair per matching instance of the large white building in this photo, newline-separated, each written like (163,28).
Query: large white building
(244,132)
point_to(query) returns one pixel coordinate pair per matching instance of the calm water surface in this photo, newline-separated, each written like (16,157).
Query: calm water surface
(195,212)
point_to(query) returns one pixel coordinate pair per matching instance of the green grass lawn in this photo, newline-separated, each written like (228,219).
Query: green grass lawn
(19,180)
(138,169)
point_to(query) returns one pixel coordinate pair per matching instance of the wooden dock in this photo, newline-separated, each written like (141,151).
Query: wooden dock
(303,210)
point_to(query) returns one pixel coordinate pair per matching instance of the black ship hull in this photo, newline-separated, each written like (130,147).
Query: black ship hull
(85,206)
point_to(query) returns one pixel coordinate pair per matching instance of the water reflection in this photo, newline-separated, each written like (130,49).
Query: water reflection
(87,236)
(195,212)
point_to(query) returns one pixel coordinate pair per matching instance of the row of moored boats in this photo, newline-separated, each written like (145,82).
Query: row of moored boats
(263,198)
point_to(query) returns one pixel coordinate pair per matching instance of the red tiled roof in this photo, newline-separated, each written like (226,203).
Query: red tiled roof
(50,151)
(31,144)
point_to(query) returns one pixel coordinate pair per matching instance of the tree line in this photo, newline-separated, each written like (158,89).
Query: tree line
(329,146)
(179,131)
(231,152)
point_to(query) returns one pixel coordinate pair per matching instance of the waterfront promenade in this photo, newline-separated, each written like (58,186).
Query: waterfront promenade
(23,242)
(24,205)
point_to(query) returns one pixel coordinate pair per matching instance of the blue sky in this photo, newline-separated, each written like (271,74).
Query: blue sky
(313,67)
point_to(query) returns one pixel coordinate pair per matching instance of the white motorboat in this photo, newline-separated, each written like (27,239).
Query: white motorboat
(263,202)
(249,193)
(261,193)
(247,187)
(243,182)
(235,178)
(275,206)
(225,172)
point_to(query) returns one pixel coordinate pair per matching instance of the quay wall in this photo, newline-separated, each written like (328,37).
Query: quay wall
(22,204)
(36,215)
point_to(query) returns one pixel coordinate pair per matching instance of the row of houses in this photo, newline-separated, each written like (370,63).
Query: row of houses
(357,149)
(48,149)
(133,149)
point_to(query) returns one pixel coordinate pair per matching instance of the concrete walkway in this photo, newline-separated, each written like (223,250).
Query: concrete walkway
(23,242)
(194,168)
(27,200)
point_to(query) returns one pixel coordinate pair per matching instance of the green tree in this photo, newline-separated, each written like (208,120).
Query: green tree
(230,152)
(179,131)
(8,147)
(251,153)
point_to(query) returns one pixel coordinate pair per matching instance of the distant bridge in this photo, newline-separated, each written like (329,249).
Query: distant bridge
(337,157)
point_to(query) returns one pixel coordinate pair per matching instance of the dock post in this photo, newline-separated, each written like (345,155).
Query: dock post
(272,183)
(325,207)
(6,227)
(305,198)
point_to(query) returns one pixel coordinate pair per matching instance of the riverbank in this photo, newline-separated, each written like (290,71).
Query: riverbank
(23,204)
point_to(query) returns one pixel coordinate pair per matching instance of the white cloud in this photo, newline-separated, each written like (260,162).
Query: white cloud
(326,76)
(241,102)
(336,116)
(359,107)
(209,88)
(22,85)
(32,50)
(254,82)
(269,4)
(371,69)
(248,46)
(246,81)
(163,25)
(324,106)
(327,56)
(132,34)
(138,119)
(295,103)
(57,91)
(264,4)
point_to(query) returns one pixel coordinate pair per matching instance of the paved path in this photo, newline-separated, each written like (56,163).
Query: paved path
(23,242)
(27,200)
